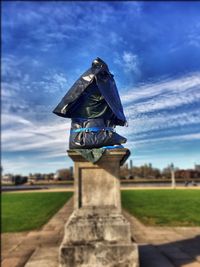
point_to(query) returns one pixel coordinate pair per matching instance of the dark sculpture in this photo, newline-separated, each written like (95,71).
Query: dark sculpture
(95,108)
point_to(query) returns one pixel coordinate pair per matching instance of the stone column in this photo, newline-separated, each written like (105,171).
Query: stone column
(97,234)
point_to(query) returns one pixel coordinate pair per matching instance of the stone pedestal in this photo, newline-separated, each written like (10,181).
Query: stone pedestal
(97,234)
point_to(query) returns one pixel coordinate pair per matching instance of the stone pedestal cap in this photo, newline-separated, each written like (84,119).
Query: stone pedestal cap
(120,154)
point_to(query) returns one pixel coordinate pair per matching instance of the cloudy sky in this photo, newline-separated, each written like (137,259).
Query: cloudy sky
(153,49)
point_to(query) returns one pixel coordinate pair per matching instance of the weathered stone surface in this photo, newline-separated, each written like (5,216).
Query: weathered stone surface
(99,254)
(97,239)
(97,234)
(97,227)
(97,184)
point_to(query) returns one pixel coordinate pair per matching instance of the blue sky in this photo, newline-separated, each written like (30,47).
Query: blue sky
(153,49)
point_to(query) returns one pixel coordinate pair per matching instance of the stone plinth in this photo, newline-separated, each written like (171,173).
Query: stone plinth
(97,184)
(97,234)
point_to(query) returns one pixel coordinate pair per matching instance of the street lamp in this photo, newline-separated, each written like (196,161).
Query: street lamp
(173,185)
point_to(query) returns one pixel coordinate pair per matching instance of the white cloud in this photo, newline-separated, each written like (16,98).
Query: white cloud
(60,79)
(115,38)
(52,82)
(20,95)
(21,135)
(50,26)
(52,138)
(193,37)
(16,80)
(10,66)
(9,120)
(155,107)
(129,62)
(184,137)
(154,123)
(38,143)
(149,108)
(172,86)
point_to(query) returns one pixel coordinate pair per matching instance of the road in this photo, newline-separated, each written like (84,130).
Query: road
(125,185)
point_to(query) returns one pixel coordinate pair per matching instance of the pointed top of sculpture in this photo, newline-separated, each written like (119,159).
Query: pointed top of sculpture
(99,63)
(98,81)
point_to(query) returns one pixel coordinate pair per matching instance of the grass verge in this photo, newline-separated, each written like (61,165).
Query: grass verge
(28,211)
(164,207)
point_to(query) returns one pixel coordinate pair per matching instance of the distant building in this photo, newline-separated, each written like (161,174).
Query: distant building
(64,174)
(197,167)
(37,176)
(7,178)
(126,166)
(188,174)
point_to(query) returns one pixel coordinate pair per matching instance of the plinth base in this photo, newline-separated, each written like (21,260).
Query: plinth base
(99,255)
(95,238)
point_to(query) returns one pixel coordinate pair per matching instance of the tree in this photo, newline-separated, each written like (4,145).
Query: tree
(166,172)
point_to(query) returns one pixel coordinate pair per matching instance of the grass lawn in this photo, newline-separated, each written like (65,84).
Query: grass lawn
(28,211)
(164,207)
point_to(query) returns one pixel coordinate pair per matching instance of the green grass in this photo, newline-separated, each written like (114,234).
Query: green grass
(164,207)
(28,211)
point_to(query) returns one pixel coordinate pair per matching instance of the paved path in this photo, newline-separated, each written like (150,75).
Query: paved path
(18,249)
(158,246)
(166,246)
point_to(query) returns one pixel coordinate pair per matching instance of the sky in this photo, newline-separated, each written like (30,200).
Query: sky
(153,50)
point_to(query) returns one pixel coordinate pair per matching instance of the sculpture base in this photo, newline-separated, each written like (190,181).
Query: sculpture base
(97,234)
(95,238)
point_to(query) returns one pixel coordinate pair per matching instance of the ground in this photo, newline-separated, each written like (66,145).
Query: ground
(158,246)
(164,207)
(27,211)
